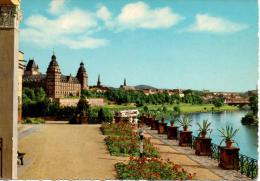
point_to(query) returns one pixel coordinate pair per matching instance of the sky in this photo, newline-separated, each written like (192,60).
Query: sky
(195,44)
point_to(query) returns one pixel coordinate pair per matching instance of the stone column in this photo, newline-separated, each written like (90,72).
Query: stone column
(9,21)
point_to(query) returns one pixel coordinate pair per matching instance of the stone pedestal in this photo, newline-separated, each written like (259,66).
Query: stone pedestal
(172,132)
(203,147)
(185,138)
(9,20)
(162,128)
(229,158)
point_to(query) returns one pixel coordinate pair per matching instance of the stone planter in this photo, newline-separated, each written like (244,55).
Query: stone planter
(82,119)
(172,132)
(185,138)
(117,119)
(154,125)
(203,146)
(148,121)
(162,129)
(142,119)
(229,158)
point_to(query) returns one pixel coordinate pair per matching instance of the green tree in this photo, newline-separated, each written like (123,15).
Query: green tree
(83,107)
(253,103)
(101,115)
(218,102)
(39,94)
(177,110)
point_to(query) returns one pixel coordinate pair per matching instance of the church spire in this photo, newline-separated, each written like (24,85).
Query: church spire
(98,81)
(124,81)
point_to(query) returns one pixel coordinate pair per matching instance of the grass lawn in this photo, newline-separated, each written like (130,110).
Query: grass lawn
(185,108)
(120,107)
(189,108)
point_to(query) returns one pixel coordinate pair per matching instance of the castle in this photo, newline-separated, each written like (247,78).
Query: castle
(53,82)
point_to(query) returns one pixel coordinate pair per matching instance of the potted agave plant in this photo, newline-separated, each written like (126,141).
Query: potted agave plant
(204,128)
(228,135)
(172,119)
(172,130)
(229,155)
(185,122)
(185,138)
(162,127)
(203,144)
(155,122)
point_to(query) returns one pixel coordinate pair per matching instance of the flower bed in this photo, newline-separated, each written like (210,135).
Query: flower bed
(116,129)
(129,145)
(151,169)
(123,141)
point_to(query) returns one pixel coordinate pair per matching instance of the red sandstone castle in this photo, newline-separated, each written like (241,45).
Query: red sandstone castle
(53,82)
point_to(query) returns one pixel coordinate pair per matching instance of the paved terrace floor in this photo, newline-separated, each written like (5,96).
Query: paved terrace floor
(204,167)
(63,151)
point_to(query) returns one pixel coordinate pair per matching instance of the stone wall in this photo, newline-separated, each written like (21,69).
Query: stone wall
(73,101)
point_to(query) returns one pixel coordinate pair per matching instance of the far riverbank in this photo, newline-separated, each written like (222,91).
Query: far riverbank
(185,108)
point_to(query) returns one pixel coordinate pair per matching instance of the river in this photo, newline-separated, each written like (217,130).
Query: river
(246,137)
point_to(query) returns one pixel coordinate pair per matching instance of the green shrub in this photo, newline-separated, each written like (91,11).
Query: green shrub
(83,106)
(33,121)
(249,119)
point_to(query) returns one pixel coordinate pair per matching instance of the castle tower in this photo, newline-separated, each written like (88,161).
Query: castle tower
(98,81)
(53,79)
(82,77)
(31,68)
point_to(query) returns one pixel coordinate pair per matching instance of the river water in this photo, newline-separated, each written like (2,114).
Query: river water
(246,137)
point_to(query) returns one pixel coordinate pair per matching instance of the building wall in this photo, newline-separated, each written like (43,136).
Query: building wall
(69,89)
(20,85)
(74,101)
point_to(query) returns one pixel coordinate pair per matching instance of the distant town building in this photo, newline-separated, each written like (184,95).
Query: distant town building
(179,92)
(160,91)
(99,87)
(98,81)
(126,87)
(53,82)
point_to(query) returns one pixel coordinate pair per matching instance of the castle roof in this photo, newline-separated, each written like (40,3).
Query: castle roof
(53,65)
(31,65)
(65,78)
(34,78)
(81,68)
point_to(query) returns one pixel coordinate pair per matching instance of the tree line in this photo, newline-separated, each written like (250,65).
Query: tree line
(121,96)
(35,103)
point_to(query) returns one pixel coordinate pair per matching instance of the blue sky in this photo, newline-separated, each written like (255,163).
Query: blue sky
(197,44)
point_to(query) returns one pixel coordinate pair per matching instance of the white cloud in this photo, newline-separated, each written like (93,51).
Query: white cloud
(105,15)
(56,6)
(66,29)
(84,43)
(75,27)
(75,21)
(140,15)
(207,23)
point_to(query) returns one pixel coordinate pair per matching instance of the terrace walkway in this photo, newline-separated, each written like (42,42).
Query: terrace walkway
(204,167)
(63,151)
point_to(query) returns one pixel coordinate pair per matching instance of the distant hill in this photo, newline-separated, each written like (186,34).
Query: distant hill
(144,87)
